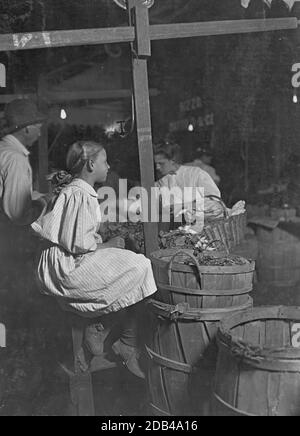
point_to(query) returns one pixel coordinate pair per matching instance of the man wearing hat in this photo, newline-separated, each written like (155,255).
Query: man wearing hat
(22,128)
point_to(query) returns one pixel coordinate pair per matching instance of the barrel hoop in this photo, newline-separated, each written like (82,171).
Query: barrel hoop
(228,406)
(204,292)
(273,359)
(161,258)
(185,312)
(213,270)
(169,363)
(157,409)
(262,313)
(262,359)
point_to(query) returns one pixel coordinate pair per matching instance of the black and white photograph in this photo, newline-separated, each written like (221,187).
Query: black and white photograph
(150,210)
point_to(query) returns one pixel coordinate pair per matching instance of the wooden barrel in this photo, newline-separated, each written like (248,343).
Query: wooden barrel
(278,262)
(258,367)
(183,353)
(249,250)
(198,285)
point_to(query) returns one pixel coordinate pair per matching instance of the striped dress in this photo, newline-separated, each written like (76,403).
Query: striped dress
(72,268)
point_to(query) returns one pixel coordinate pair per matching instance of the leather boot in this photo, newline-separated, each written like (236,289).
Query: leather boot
(129,345)
(95,335)
(130,356)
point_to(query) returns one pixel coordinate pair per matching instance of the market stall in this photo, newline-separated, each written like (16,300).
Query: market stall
(141,34)
(217,280)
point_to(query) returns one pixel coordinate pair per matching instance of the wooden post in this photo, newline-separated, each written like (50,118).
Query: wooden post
(43,166)
(43,159)
(141,50)
(277,138)
(247,165)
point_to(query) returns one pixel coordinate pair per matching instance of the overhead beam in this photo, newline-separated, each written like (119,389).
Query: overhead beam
(65,38)
(114,94)
(215,28)
(65,96)
(7,98)
(68,38)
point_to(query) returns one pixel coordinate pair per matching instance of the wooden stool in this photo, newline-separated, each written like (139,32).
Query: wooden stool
(80,379)
(81,370)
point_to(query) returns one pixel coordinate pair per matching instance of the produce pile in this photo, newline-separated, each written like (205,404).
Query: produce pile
(189,236)
(132,233)
(210,260)
(183,239)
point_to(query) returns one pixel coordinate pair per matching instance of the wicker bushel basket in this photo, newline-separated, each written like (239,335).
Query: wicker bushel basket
(230,230)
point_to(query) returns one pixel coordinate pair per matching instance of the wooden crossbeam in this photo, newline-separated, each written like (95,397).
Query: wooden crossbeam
(67,96)
(7,98)
(113,94)
(68,38)
(215,28)
(65,38)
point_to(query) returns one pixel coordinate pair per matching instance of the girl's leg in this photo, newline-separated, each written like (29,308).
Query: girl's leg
(131,339)
(99,336)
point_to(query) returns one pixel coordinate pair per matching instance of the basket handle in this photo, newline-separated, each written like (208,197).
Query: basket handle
(187,253)
(220,242)
(219,199)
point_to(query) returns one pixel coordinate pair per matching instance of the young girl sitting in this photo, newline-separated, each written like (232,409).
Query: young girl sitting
(84,274)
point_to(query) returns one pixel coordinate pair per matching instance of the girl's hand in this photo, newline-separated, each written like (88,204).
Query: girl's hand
(117,242)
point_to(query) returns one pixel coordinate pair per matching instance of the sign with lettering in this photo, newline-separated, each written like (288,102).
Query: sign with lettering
(191,104)
(197,122)
(193,115)
(295,335)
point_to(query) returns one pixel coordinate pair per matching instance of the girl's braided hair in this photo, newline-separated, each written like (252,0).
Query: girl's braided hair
(78,155)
